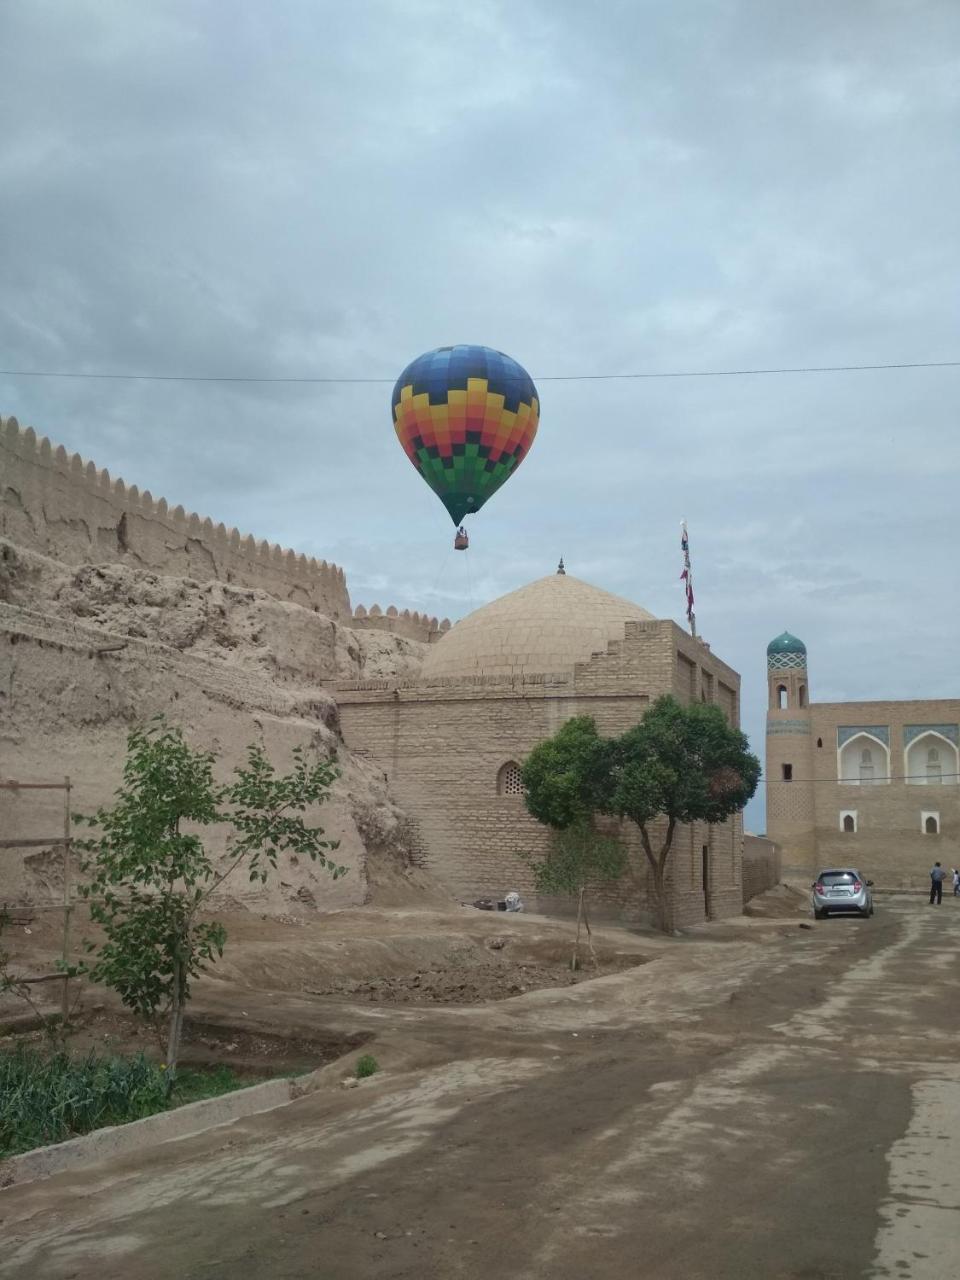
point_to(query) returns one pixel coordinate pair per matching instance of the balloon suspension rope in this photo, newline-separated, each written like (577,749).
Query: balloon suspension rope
(470,594)
(443,567)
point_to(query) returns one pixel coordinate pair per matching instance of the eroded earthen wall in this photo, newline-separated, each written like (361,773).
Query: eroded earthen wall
(58,504)
(68,696)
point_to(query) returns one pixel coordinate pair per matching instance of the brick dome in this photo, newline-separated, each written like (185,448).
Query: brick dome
(544,627)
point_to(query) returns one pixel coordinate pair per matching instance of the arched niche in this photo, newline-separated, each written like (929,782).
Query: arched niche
(863,760)
(931,759)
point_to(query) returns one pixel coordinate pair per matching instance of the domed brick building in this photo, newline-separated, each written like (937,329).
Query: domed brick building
(500,681)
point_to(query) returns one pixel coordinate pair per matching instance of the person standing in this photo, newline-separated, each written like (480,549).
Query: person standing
(937,877)
(956,883)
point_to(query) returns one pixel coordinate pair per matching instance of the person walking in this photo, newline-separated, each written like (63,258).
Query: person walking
(937,877)
(956,883)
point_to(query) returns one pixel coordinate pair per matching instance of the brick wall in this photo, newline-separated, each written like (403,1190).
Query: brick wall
(888,845)
(443,745)
(761,865)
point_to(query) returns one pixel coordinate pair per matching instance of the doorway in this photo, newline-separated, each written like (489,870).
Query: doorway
(705,879)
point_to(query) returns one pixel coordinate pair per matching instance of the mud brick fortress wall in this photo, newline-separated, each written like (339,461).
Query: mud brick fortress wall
(413,626)
(450,751)
(65,508)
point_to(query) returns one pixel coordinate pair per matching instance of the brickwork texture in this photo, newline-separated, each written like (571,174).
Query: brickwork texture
(445,739)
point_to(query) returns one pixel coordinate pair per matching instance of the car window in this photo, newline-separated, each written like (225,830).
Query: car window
(837,877)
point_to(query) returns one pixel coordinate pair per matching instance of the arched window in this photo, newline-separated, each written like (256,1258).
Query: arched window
(802,695)
(819,742)
(863,759)
(510,780)
(849,822)
(930,759)
(782,697)
(931,824)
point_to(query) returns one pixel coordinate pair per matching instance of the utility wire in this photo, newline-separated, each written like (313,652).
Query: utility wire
(552,377)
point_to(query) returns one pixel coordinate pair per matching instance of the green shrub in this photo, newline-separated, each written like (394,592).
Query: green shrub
(367,1066)
(49,1098)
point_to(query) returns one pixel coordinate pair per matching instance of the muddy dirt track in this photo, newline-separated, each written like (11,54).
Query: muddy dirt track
(783,1105)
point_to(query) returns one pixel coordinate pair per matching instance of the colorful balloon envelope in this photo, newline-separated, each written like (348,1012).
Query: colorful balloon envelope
(466,417)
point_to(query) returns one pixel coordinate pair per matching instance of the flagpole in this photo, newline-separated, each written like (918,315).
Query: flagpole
(687,576)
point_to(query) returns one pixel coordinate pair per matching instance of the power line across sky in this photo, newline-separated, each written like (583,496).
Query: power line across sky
(550,377)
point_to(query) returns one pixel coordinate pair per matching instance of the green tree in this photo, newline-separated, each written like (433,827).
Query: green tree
(565,776)
(565,784)
(684,764)
(578,856)
(150,877)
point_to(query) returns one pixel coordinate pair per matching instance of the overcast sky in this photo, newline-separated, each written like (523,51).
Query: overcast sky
(319,189)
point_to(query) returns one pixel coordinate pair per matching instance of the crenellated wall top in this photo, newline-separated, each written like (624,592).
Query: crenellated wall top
(403,622)
(65,507)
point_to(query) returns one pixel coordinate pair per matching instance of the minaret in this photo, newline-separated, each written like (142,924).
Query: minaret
(791,813)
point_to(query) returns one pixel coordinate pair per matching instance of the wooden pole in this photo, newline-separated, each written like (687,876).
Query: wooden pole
(67,905)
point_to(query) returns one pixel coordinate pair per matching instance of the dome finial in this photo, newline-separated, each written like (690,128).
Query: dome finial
(560,568)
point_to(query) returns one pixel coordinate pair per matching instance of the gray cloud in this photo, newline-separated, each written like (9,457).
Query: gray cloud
(315,189)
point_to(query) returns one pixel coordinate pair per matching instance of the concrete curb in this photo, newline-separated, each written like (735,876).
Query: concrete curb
(167,1126)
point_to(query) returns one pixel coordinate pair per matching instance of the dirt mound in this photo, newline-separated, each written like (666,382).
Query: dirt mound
(474,985)
(782,902)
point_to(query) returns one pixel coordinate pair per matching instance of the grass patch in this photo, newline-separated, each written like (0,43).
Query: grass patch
(191,1085)
(367,1065)
(47,1098)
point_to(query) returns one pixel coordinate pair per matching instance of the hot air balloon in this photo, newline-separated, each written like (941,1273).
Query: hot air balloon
(466,417)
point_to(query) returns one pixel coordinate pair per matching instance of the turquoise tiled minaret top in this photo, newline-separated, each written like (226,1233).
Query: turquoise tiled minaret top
(786,653)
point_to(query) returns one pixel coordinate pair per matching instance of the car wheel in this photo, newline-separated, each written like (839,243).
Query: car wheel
(818,914)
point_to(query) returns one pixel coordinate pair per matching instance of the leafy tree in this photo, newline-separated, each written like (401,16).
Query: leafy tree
(684,764)
(578,856)
(150,876)
(564,776)
(565,784)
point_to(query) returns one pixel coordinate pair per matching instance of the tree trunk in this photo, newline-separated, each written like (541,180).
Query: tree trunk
(658,867)
(586,921)
(175,1027)
(660,894)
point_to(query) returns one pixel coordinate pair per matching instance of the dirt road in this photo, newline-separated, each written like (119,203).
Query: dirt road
(787,1107)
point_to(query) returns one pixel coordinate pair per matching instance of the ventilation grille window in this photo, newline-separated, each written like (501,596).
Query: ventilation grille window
(511,781)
